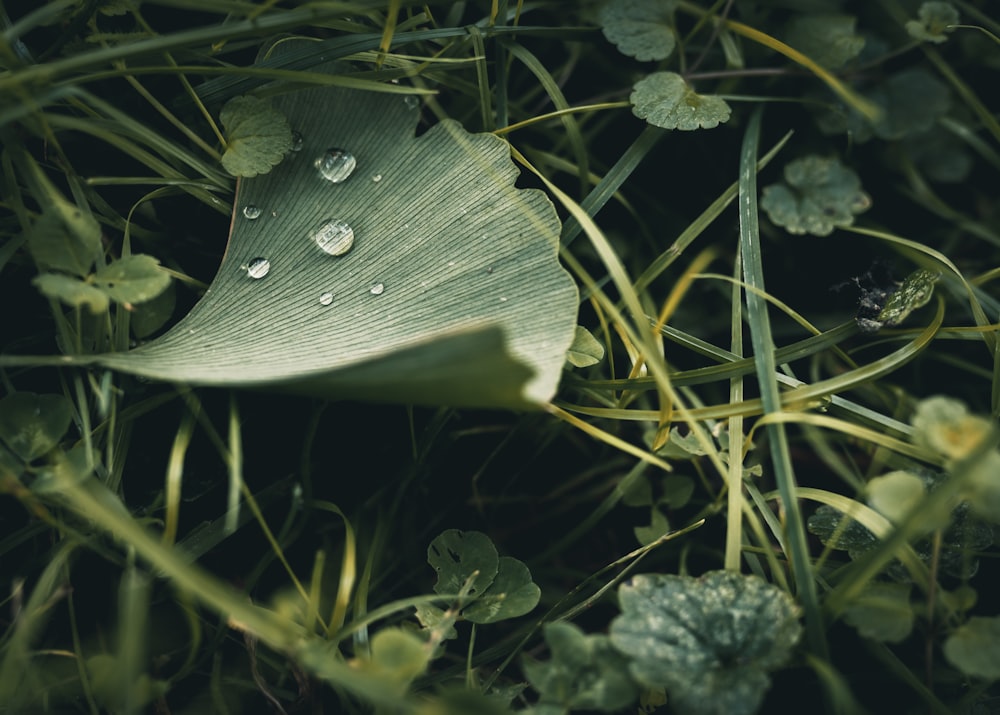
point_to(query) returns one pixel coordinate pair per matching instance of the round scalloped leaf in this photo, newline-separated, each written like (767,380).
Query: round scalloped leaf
(457,555)
(257,136)
(854,538)
(895,494)
(584,673)
(818,195)
(132,279)
(451,292)
(397,658)
(64,238)
(31,425)
(709,642)
(945,424)
(830,40)
(642,29)
(934,20)
(665,100)
(974,648)
(882,612)
(511,594)
(585,350)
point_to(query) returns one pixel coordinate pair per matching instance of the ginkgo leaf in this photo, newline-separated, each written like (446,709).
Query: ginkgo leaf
(257,136)
(934,19)
(818,195)
(665,100)
(642,29)
(450,291)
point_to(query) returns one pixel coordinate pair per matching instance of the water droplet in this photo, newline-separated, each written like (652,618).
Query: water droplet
(296,141)
(377,289)
(451,264)
(274,214)
(503,300)
(376,178)
(258,267)
(489,269)
(336,165)
(326,298)
(411,101)
(251,212)
(334,236)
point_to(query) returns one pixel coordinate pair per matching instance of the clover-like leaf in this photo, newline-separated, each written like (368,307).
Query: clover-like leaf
(257,136)
(65,238)
(642,29)
(584,673)
(882,612)
(818,195)
(895,494)
(934,21)
(72,291)
(458,555)
(132,279)
(665,100)
(710,642)
(511,594)
(31,425)
(449,290)
(585,349)
(658,526)
(974,648)
(830,40)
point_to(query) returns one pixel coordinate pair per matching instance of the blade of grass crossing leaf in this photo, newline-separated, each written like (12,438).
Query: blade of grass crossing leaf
(734,497)
(391,17)
(763,348)
(234,462)
(483,77)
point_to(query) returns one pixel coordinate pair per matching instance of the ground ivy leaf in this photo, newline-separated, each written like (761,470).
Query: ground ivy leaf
(915,292)
(830,40)
(894,494)
(642,29)
(914,100)
(257,136)
(709,642)
(882,612)
(585,350)
(584,673)
(974,648)
(934,20)
(132,279)
(511,594)
(31,425)
(665,100)
(64,238)
(71,291)
(818,195)
(456,555)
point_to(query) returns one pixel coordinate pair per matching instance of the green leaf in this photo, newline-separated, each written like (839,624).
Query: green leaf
(153,314)
(665,100)
(474,308)
(71,291)
(457,555)
(828,524)
(982,487)
(132,279)
(914,100)
(882,612)
(830,40)
(974,648)
(585,349)
(70,467)
(945,425)
(511,594)
(643,29)
(397,658)
(31,425)
(257,136)
(934,20)
(915,292)
(658,526)
(676,490)
(710,642)
(895,494)
(106,684)
(817,196)
(678,446)
(584,673)
(65,238)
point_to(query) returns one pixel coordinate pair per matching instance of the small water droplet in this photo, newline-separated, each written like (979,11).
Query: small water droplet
(336,165)
(411,101)
(326,298)
(489,269)
(251,212)
(376,178)
(274,214)
(297,141)
(377,289)
(258,267)
(503,300)
(451,264)
(334,236)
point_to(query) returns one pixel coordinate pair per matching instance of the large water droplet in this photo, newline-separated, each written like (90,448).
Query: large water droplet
(377,289)
(411,100)
(251,212)
(296,141)
(258,267)
(376,178)
(334,236)
(336,165)
(326,298)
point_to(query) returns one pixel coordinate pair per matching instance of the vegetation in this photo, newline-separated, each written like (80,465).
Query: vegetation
(613,355)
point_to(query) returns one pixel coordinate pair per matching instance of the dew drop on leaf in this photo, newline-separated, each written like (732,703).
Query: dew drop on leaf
(326,298)
(377,289)
(258,267)
(376,178)
(334,237)
(251,212)
(296,142)
(336,165)
(411,101)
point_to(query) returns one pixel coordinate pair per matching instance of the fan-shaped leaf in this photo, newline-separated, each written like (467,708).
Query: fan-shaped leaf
(451,293)
(818,195)
(257,135)
(665,100)
(640,28)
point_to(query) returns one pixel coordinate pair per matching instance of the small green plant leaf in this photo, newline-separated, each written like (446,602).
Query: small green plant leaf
(710,642)
(31,425)
(818,195)
(511,594)
(458,555)
(643,29)
(585,672)
(676,490)
(436,619)
(915,292)
(153,314)
(830,40)
(257,136)
(106,685)
(895,494)
(882,612)
(72,466)
(72,291)
(65,239)
(658,526)
(934,21)
(828,524)
(945,425)
(665,100)
(397,658)
(585,350)
(679,445)
(132,279)
(974,648)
